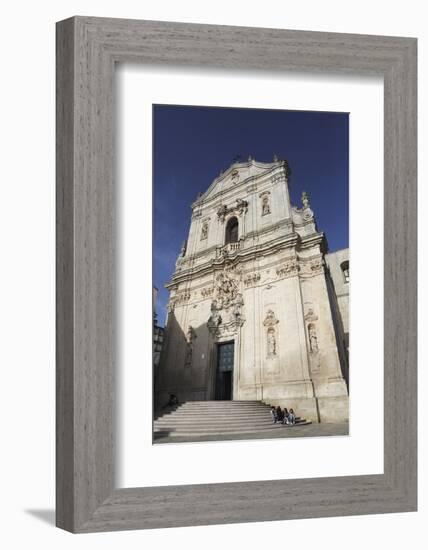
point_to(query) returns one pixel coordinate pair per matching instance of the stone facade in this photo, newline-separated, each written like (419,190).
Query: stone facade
(253,273)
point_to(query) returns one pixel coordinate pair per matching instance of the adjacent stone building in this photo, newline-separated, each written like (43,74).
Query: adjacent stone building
(253,312)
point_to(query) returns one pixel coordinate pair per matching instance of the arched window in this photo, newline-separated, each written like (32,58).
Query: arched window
(232,231)
(344,266)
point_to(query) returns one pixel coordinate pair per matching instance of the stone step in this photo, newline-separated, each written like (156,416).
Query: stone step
(179,425)
(199,418)
(220,415)
(219,431)
(223,408)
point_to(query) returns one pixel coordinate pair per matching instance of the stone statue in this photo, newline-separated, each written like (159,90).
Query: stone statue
(215,318)
(190,337)
(221,212)
(271,342)
(305,200)
(183,248)
(265,206)
(270,318)
(313,341)
(241,206)
(237,308)
(204,233)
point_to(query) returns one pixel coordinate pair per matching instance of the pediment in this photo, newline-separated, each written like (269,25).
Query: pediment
(234,176)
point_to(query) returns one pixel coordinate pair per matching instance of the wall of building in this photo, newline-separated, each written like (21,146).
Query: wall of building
(280,299)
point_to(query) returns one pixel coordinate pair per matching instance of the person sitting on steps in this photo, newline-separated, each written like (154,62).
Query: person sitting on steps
(285,415)
(273,414)
(291,417)
(279,414)
(172,401)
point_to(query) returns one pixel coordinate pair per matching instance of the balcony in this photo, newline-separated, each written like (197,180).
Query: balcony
(228,249)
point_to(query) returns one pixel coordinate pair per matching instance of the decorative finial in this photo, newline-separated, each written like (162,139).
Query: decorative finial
(305,200)
(275,158)
(249,158)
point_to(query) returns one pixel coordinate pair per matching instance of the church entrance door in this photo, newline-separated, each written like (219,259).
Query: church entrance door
(224,377)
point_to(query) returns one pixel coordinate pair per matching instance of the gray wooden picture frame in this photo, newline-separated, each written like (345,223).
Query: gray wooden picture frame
(87,50)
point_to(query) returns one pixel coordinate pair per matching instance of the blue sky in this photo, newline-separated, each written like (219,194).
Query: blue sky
(193,144)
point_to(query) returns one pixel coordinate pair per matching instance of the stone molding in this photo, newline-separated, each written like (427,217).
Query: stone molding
(280,167)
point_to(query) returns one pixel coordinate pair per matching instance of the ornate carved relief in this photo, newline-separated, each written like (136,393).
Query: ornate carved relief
(312,267)
(289,268)
(234,176)
(207,292)
(178,299)
(226,290)
(229,301)
(251,279)
(240,208)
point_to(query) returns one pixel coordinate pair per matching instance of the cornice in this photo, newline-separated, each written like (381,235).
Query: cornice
(280,166)
(243,255)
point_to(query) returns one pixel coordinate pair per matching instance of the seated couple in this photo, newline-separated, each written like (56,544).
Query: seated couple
(283,416)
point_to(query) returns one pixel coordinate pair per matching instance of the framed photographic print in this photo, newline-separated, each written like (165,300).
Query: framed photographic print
(214,185)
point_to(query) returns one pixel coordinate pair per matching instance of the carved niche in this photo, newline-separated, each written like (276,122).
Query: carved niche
(314,352)
(265,203)
(190,339)
(204,231)
(270,323)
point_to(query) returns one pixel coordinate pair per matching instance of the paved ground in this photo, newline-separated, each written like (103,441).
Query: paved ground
(278,431)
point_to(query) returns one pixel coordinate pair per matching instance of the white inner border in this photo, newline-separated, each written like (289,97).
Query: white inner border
(140,462)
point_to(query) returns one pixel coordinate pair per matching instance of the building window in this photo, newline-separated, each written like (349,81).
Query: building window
(232,231)
(344,266)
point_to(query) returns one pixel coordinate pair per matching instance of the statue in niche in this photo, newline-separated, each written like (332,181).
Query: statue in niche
(271,342)
(313,340)
(190,338)
(204,233)
(215,318)
(265,206)
(221,212)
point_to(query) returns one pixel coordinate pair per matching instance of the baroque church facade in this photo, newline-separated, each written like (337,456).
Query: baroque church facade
(254,312)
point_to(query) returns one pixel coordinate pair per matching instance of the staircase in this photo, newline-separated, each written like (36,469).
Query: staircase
(210,418)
